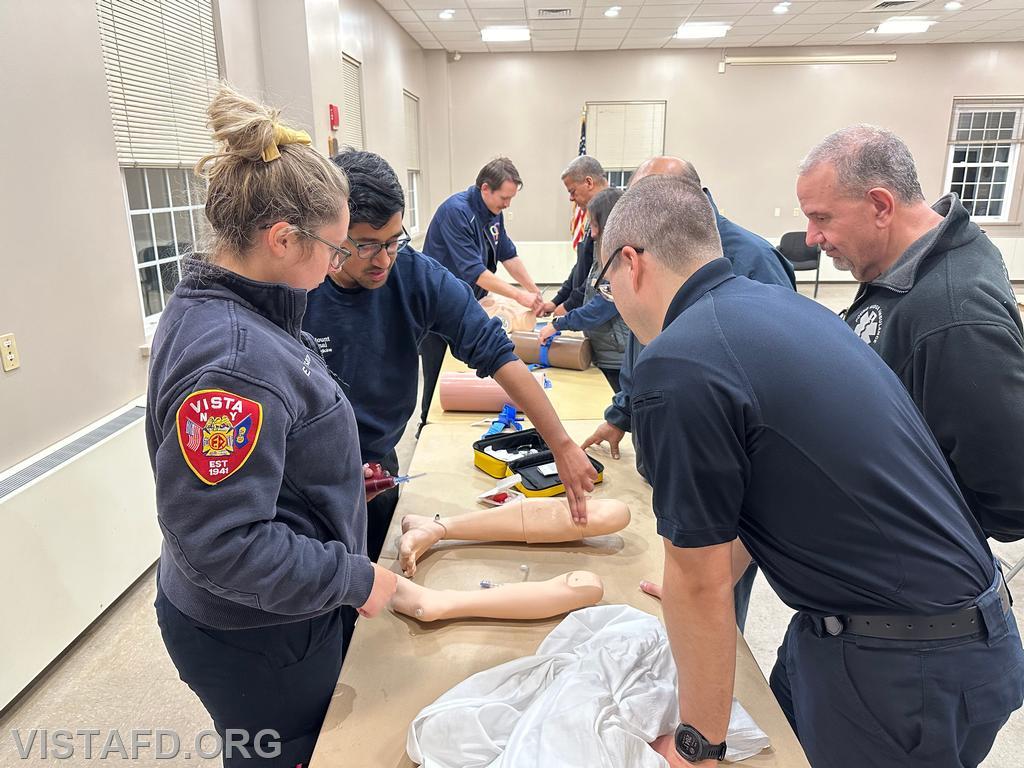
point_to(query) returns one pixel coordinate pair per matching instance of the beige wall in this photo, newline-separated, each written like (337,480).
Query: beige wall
(68,287)
(241,47)
(391,62)
(289,52)
(746,130)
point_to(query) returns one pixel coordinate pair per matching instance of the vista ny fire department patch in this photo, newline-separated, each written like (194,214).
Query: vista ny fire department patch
(217,432)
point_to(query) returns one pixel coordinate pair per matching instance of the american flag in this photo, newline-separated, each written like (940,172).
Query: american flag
(194,433)
(579,214)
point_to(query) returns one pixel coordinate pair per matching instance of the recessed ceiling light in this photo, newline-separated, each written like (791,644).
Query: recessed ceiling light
(953,5)
(904,25)
(696,30)
(446,15)
(504,34)
(781,8)
(613,11)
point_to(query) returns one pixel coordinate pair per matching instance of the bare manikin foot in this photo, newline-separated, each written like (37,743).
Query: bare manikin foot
(419,533)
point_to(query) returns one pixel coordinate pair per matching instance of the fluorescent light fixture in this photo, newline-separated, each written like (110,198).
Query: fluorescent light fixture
(505,34)
(446,15)
(761,61)
(781,8)
(698,30)
(904,25)
(953,5)
(613,11)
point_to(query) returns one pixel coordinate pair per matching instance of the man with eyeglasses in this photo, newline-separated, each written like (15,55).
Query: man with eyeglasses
(370,316)
(750,256)
(772,432)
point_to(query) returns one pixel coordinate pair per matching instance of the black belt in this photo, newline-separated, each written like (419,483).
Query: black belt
(946,626)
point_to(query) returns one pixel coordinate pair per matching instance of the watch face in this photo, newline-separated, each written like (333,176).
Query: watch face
(688,744)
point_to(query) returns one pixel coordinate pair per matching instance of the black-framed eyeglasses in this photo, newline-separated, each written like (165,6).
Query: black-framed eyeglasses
(601,285)
(339,253)
(393,246)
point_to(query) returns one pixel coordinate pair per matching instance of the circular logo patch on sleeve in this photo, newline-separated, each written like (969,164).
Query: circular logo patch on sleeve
(217,432)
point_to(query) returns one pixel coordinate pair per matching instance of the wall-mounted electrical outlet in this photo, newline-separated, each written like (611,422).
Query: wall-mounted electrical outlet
(9,352)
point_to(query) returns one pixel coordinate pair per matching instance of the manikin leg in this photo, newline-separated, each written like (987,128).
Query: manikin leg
(533,521)
(525,600)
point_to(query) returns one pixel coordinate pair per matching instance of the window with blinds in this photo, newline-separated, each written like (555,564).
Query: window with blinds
(983,154)
(352,134)
(622,134)
(412,161)
(161,64)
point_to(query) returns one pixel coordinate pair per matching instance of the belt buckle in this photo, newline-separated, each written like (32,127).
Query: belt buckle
(833,625)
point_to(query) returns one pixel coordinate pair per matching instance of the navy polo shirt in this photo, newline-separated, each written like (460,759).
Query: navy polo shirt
(467,239)
(762,416)
(370,339)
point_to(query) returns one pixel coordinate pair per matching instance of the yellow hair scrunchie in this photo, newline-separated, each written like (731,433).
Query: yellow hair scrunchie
(283,135)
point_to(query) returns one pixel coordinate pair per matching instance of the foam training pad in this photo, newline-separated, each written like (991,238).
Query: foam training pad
(513,316)
(468,392)
(572,352)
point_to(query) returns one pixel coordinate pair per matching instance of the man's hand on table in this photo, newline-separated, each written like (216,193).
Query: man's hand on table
(651,588)
(608,433)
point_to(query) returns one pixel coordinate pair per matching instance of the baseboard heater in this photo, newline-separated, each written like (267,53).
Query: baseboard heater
(77,528)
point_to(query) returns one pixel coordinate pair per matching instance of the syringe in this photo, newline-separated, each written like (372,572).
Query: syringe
(382,480)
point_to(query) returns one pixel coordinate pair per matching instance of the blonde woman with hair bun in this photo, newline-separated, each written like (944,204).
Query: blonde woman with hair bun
(254,449)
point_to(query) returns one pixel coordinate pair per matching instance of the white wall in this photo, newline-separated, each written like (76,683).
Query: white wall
(241,46)
(392,61)
(68,288)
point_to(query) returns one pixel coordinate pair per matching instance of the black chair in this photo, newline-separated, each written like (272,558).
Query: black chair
(802,256)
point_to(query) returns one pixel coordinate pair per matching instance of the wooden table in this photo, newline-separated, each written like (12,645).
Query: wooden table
(396,666)
(574,395)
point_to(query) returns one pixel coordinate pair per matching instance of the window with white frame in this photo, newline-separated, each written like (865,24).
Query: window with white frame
(166,210)
(412,162)
(161,65)
(352,133)
(983,155)
(619,177)
(622,134)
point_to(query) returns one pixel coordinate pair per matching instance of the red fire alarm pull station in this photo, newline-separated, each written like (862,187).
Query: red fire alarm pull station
(335,119)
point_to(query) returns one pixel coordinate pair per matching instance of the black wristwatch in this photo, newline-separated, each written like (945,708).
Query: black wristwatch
(693,747)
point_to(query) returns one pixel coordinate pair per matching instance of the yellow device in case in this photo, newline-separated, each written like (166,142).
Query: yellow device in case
(536,467)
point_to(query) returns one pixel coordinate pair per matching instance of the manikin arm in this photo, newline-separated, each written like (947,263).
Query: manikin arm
(533,521)
(524,600)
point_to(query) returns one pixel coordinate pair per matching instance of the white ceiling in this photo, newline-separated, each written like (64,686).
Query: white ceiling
(652,23)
